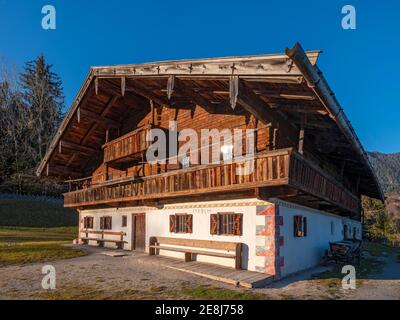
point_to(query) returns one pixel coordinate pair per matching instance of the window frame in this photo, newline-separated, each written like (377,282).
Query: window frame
(226,224)
(104,224)
(124,222)
(300,226)
(88,222)
(181,223)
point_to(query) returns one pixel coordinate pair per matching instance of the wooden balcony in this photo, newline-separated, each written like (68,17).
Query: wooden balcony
(128,146)
(285,168)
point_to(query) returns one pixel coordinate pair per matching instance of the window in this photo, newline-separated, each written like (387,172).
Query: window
(88,222)
(181,223)
(124,221)
(226,224)
(332,228)
(105,223)
(300,226)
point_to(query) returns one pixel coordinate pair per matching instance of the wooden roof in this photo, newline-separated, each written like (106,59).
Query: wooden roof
(281,85)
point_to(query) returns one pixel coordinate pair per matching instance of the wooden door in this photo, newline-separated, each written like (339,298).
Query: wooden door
(139,231)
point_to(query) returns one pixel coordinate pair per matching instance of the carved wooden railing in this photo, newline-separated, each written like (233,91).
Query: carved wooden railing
(283,167)
(311,179)
(269,169)
(128,145)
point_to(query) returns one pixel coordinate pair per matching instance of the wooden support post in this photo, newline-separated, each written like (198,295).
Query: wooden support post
(238,258)
(107,135)
(123,86)
(96,85)
(78,115)
(233,90)
(301,133)
(188,257)
(170,86)
(152,112)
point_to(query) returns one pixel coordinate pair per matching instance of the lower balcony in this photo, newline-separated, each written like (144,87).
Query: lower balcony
(281,173)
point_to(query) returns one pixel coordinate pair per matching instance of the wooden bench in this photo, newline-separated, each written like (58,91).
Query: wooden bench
(100,241)
(196,247)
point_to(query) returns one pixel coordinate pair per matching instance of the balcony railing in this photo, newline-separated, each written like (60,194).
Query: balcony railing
(127,146)
(283,167)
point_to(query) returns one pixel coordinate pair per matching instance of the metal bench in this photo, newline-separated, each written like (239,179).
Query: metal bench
(190,247)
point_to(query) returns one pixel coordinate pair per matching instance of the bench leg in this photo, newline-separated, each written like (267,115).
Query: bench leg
(188,257)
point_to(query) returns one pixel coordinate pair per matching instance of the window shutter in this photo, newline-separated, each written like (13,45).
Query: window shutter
(101,222)
(91,222)
(214,224)
(305,227)
(237,228)
(109,223)
(172,223)
(189,223)
(296,226)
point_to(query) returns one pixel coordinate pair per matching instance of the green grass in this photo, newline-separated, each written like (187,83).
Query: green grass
(26,213)
(214,293)
(75,291)
(26,245)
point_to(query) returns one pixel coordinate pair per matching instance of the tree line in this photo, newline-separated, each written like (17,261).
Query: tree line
(31,109)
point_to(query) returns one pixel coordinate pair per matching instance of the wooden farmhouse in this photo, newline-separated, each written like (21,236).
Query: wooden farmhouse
(309,168)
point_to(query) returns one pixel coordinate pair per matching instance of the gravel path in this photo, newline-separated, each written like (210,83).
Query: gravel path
(98,276)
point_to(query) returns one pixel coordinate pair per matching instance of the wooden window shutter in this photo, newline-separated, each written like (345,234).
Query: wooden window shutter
(296,226)
(304,226)
(101,222)
(172,223)
(237,228)
(189,223)
(214,224)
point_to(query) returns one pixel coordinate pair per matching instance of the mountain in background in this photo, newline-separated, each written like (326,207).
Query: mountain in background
(387,168)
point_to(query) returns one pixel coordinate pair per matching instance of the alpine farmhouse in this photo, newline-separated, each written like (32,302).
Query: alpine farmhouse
(309,172)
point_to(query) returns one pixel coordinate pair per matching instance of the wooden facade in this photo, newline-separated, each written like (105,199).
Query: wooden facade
(303,152)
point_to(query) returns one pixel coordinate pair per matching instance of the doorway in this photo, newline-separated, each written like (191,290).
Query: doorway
(139,231)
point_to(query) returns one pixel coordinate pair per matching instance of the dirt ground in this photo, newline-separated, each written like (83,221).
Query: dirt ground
(98,276)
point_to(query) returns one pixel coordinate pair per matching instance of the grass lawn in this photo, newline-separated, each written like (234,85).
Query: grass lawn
(27,245)
(75,291)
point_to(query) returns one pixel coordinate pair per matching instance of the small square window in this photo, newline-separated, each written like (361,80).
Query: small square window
(299,226)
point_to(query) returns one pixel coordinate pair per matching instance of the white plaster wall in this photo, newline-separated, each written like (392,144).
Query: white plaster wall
(157,224)
(306,252)
(116,215)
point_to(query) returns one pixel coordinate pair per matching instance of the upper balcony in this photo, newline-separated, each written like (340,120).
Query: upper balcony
(281,173)
(127,147)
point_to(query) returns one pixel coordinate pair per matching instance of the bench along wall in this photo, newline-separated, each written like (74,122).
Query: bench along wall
(269,244)
(158,225)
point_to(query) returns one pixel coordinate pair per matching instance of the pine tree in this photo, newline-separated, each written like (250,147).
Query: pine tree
(43,97)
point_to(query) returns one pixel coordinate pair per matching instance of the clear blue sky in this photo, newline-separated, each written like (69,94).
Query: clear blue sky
(361,65)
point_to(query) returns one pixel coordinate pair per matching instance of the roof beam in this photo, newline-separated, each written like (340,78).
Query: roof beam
(98,118)
(76,148)
(196,97)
